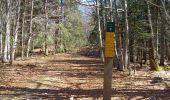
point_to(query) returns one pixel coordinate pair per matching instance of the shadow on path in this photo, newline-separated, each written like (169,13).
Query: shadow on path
(94,94)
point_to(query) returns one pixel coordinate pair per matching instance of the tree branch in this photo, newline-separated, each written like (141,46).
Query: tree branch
(153,4)
(167,15)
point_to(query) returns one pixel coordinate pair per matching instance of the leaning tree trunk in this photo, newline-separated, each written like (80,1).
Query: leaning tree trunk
(7,35)
(153,63)
(14,45)
(30,30)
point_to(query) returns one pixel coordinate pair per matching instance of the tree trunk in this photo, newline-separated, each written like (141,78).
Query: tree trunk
(15,34)
(99,31)
(30,30)
(157,38)
(32,45)
(131,48)
(46,23)
(162,38)
(56,40)
(141,57)
(126,37)
(103,24)
(153,63)
(144,56)
(167,50)
(1,37)
(1,45)
(118,43)
(62,10)
(23,30)
(28,45)
(7,36)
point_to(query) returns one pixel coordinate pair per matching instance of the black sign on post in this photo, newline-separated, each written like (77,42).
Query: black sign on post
(110,27)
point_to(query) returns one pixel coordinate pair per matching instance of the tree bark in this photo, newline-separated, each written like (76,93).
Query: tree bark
(162,38)
(167,50)
(56,40)
(1,45)
(15,34)
(153,63)
(23,30)
(126,37)
(99,31)
(46,23)
(1,37)
(119,44)
(7,36)
(62,10)
(30,30)
(165,11)
(157,37)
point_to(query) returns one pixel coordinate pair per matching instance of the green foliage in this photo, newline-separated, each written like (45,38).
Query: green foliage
(71,34)
(93,37)
(145,36)
(138,22)
(39,40)
(70,38)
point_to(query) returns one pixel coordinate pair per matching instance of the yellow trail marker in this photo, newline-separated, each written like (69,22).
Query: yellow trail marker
(109,44)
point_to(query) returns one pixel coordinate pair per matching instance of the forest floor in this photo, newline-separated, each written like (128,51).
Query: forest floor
(63,76)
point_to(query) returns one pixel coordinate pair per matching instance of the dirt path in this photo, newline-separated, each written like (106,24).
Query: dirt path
(63,76)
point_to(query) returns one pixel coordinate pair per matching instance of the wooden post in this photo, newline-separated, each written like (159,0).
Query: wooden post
(109,54)
(108,78)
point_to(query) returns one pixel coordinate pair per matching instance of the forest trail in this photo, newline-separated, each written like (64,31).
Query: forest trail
(63,76)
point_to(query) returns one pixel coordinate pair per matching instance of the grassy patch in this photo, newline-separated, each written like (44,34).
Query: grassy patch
(159,68)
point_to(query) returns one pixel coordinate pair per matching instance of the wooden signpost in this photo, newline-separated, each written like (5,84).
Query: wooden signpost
(109,54)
